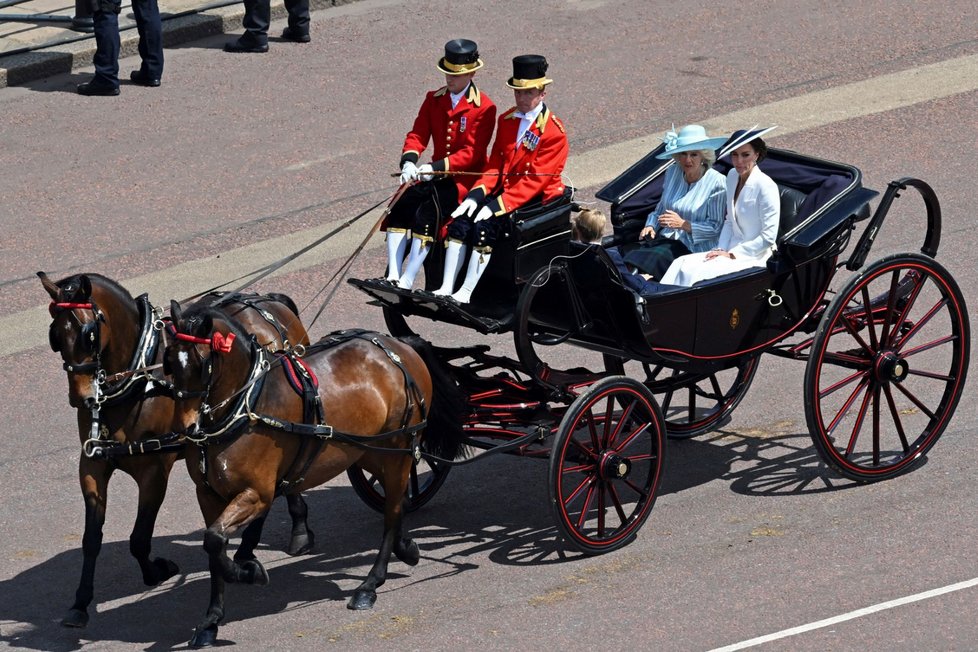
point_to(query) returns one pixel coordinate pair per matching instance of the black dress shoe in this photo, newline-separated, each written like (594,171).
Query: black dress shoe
(93,89)
(242,45)
(143,79)
(294,35)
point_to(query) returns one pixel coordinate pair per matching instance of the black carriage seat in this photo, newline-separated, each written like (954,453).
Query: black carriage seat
(792,200)
(539,232)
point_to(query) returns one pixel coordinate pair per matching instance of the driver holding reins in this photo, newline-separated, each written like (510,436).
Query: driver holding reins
(458,120)
(526,162)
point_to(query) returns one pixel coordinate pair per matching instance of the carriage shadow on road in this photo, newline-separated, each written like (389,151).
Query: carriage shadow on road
(754,463)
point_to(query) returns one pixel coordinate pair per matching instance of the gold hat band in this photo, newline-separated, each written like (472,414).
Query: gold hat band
(529,83)
(459,68)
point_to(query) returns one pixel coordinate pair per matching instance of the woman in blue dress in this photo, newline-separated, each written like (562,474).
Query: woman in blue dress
(689,216)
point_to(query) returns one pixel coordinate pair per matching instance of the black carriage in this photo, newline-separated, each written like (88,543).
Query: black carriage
(886,351)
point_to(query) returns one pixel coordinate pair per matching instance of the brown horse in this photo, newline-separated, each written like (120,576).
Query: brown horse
(109,345)
(372,400)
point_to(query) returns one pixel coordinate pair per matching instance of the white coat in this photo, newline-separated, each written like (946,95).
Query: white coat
(749,232)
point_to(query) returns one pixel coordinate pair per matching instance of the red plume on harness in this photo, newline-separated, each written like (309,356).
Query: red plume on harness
(218,341)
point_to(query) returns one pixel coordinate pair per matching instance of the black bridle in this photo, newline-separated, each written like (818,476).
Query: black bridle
(90,335)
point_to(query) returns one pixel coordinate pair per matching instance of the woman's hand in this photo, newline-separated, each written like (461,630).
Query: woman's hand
(647,232)
(672,220)
(718,253)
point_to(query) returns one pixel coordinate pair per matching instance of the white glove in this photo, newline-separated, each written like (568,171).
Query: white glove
(484,214)
(409,172)
(467,207)
(424,172)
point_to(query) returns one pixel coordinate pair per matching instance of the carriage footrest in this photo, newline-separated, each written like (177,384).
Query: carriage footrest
(424,304)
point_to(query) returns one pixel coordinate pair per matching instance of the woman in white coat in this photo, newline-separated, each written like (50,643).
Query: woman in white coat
(751,225)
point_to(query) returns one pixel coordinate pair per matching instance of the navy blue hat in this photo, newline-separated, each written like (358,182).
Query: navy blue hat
(461,57)
(742,137)
(529,71)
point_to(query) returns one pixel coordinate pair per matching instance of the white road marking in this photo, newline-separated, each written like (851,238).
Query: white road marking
(858,613)
(25,330)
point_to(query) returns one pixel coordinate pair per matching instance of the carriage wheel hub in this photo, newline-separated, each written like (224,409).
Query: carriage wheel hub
(614,466)
(891,368)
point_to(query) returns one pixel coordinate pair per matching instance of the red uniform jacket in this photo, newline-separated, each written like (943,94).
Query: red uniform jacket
(460,136)
(509,180)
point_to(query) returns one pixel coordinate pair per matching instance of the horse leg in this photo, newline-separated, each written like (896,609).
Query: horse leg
(94,479)
(152,491)
(303,538)
(395,485)
(205,633)
(250,539)
(246,508)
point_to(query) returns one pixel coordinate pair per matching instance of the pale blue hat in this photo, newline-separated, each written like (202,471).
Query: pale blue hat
(689,138)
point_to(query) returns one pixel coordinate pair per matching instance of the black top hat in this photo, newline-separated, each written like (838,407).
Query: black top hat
(461,57)
(529,71)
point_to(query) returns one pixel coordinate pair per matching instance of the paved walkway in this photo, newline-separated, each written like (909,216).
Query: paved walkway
(47,43)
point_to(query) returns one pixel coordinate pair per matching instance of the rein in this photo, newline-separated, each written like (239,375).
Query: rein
(271,268)
(461,173)
(356,252)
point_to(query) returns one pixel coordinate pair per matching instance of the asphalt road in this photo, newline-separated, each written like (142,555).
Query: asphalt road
(237,160)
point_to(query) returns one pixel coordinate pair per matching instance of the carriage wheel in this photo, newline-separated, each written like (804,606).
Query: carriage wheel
(606,464)
(424,482)
(396,323)
(694,403)
(887,367)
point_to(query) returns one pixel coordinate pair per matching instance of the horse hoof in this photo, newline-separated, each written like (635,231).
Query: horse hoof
(75,618)
(301,544)
(362,600)
(165,569)
(254,573)
(408,552)
(204,637)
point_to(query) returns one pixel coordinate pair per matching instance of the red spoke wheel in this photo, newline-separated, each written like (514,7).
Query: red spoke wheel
(606,464)
(693,403)
(887,367)
(424,482)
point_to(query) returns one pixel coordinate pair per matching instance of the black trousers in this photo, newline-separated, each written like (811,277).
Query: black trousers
(106,28)
(424,207)
(258,16)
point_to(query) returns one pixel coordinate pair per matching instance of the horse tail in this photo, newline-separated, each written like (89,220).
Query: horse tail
(285,300)
(444,436)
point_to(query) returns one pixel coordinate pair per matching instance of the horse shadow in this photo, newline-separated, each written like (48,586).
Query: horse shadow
(471,518)
(156,618)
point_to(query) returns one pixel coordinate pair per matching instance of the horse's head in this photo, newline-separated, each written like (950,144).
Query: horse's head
(207,359)
(80,332)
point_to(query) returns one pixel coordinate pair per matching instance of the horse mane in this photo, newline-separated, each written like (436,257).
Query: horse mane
(71,286)
(444,436)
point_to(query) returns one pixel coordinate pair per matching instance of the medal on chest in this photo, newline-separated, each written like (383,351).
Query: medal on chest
(461,124)
(530,140)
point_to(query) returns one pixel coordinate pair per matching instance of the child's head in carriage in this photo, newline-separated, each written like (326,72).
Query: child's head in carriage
(589,226)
